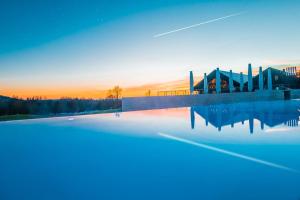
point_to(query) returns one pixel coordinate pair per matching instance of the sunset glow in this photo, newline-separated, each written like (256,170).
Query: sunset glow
(82,52)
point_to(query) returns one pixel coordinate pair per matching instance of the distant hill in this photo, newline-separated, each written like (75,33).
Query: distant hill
(4,98)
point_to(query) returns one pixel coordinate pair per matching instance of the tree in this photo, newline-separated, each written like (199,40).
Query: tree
(117,91)
(148,93)
(109,94)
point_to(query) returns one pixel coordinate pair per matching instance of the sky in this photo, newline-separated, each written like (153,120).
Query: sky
(55,48)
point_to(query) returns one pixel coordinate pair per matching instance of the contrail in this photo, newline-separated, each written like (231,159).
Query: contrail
(195,25)
(270,164)
(276,130)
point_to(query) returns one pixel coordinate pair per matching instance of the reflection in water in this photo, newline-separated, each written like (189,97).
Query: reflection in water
(230,153)
(268,113)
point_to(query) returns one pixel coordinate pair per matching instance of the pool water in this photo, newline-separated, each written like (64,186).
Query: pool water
(234,151)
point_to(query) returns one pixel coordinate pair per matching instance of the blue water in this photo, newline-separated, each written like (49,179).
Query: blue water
(240,151)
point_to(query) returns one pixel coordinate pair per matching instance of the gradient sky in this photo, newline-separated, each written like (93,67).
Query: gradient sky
(75,45)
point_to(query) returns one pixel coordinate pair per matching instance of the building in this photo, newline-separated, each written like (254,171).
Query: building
(281,79)
(219,81)
(225,76)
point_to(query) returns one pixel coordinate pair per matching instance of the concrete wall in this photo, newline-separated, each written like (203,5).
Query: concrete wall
(146,103)
(295,94)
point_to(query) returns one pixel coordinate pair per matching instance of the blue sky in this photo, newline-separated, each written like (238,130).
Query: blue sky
(98,44)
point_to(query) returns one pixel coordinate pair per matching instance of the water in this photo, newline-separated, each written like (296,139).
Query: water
(240,151)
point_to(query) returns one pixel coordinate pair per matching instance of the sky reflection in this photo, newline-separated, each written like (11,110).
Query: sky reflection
(271,114)
(156,152)
(257,122)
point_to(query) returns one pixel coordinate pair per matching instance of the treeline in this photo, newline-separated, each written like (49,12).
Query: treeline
(38,106)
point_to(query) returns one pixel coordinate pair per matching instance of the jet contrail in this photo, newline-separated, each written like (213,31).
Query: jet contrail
(195,25)
(270,164)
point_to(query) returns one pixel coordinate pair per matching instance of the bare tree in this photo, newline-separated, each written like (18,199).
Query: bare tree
(148,93)
(109,94)
(117,91)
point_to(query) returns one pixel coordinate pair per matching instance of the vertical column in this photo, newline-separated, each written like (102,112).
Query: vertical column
(269,79)
(206,115)
(218,81)
(262,121)
(250,81)
(191,83)
(261,80)
(293,71)
(192,118)
(230,82)
(219,116)
(251,123)
(231,115)
(241,82)
(261,125)
(205,84)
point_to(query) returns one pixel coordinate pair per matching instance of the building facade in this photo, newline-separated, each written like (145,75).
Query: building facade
(267,79)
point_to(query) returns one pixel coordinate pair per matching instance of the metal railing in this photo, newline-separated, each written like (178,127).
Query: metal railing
(173,93)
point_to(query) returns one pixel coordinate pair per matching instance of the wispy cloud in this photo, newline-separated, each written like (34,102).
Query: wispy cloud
(198,24)
(270,164)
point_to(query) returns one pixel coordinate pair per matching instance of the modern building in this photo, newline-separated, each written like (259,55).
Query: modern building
(280,79)
(224,76)
(268,79)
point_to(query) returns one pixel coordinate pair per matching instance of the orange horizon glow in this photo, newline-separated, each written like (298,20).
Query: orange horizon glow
(89,92)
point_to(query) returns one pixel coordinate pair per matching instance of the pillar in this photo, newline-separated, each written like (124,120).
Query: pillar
(206,115)
(205,84)
(231,115)
(219,116)
(269,79)
(191,83)
(231,88)
(192,118)
(250,81)
(293,71)
(241,82)
(260,80)
(251,124)
(218,81)
(261,125)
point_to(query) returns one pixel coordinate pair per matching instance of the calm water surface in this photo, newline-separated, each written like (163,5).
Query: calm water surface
(240,151)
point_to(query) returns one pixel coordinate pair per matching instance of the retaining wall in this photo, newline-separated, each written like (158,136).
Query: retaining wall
(295,94)
(156,102)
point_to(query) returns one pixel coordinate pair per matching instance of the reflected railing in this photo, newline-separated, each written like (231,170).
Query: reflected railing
(268,113)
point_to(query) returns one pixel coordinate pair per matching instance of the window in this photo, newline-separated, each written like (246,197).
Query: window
(276,77)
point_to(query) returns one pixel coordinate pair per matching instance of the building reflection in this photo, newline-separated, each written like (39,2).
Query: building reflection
(268,113)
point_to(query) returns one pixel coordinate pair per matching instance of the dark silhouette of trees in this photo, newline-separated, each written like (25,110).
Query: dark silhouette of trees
(117,91)
(114,93)
(148,93)
(39,106)
(109,94)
